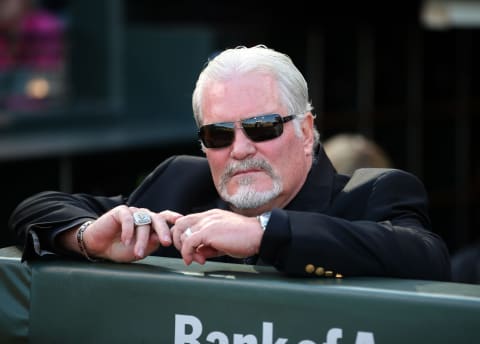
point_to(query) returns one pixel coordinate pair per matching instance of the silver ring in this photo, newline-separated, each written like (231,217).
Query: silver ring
(141,218)
(188,232)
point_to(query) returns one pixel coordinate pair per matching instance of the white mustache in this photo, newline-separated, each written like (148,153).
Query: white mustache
(243,165)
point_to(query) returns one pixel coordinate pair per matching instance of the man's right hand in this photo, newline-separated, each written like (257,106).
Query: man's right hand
(114,236)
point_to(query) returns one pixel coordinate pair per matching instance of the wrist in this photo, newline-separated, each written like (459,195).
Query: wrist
(81,242)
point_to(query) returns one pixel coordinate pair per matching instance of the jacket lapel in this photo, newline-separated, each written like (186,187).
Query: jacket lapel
(317,192)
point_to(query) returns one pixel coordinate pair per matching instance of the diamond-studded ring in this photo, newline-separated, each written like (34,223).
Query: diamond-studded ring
(141,218)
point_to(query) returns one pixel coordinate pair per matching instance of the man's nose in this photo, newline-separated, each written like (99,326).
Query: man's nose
(242,145)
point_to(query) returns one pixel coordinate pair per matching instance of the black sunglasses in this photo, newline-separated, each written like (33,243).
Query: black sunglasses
(258,128)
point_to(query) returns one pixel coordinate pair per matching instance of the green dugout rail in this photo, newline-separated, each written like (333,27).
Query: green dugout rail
(160,300)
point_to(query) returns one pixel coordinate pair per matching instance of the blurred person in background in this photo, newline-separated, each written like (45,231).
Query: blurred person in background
(349,152)
(32,57)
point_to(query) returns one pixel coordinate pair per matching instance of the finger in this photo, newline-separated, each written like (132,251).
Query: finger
(170,216)
(162,230)
(124,215)
(187,233)
(176,232)
(152,245)
(142,236)
(203,252)
(189,247)
(199,258)
(180,234)
(181,225)
(208,252)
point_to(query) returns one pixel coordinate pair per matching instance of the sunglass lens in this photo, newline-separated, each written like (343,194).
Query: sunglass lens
(263,128)
(217,135)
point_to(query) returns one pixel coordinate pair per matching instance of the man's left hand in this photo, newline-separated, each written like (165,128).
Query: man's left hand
(215,233)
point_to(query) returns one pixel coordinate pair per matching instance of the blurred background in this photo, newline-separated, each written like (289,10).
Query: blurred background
(95,93)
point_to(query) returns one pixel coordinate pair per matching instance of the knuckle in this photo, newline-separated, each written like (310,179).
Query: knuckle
(120,208)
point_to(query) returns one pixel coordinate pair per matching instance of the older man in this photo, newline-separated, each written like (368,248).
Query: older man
(266,193)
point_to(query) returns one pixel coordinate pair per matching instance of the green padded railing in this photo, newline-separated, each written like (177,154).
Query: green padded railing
(160,300)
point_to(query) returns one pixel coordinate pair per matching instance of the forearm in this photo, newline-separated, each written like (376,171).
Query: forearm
(67,240)
(295,240)
(37,221)
(74,241)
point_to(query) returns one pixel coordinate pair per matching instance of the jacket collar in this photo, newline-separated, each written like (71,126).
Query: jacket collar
(316,193)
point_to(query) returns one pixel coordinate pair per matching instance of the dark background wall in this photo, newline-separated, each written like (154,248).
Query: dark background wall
(372,68)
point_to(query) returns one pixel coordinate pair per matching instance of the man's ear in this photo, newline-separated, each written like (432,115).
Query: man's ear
(307,131)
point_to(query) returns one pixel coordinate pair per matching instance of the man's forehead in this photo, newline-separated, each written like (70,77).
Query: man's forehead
(237,99)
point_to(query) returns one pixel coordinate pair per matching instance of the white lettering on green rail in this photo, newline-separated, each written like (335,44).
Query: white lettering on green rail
(189,328)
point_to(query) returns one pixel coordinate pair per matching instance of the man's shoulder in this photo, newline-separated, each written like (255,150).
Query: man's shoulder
(364,177)
(181,168)
(387,184)
(184,160)
(369,191)
(177,177)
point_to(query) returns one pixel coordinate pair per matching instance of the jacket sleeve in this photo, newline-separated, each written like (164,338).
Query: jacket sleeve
(382,232)
(40,218)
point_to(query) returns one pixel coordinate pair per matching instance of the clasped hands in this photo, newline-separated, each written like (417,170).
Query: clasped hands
(212,233)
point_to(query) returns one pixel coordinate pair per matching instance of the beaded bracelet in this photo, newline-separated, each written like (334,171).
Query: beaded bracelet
(81,243)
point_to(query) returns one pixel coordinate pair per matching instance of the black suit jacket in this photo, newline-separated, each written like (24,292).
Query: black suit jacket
(372,224)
